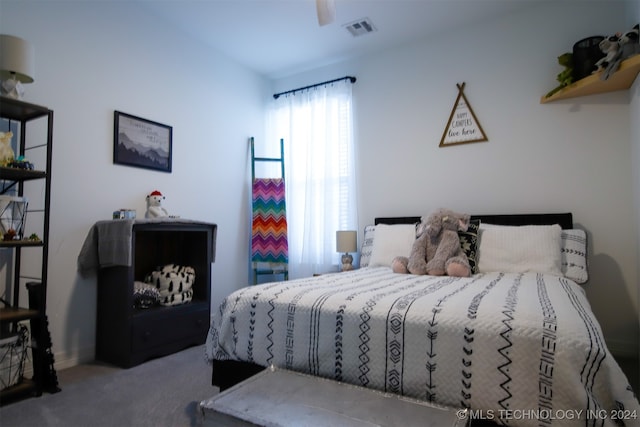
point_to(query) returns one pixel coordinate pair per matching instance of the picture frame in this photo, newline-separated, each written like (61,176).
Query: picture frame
(463,126)
(142,143)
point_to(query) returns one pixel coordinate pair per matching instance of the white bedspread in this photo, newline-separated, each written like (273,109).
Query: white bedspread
(522,349)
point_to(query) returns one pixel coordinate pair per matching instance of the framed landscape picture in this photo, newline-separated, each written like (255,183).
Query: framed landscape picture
(141,143)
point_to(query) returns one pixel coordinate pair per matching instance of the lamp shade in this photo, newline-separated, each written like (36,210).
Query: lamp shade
(17,59)
(346,241)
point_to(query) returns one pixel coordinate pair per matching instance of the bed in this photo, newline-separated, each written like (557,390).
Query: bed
(516,345)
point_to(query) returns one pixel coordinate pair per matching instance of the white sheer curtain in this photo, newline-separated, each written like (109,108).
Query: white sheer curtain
(317,128)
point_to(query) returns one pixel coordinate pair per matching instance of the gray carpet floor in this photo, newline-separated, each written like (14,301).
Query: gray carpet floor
(164,392)
(161,392)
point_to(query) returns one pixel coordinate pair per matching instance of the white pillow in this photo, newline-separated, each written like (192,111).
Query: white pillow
(518,249)
(391,241)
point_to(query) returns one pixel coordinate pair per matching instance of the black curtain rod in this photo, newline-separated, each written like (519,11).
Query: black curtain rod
(277,95)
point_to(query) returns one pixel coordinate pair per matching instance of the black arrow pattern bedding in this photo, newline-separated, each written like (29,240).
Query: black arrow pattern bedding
(522,349)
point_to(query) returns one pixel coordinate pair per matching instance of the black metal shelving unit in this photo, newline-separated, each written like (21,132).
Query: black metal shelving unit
(34,310)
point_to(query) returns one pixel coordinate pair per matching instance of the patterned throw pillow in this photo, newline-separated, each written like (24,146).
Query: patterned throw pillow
(367,245)
(145,295)
(574,255)
(174,282)
(469,243)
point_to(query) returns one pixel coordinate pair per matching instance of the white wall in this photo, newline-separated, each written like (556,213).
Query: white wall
(96,57)
(566,156)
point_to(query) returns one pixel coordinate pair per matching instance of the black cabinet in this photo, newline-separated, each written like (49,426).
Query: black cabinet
(15,182)
(127,336)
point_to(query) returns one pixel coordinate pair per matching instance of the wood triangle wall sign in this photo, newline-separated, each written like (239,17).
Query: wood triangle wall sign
(463,126)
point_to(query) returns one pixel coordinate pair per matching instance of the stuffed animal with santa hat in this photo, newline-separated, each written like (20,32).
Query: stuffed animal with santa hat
(154,205)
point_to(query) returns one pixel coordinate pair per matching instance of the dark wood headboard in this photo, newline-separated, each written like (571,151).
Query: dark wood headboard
(564,219)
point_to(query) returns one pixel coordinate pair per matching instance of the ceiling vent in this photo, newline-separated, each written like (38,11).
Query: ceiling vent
(360,27)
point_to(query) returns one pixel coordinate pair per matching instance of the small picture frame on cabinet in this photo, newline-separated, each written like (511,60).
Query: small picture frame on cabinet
(141,142)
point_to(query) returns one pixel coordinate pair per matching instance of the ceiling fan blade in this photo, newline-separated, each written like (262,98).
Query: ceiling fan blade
(326,10)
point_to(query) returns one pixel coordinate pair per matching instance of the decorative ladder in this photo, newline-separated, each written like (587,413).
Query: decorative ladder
(269,245)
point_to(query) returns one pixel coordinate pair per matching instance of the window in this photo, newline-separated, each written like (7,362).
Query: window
(317,127)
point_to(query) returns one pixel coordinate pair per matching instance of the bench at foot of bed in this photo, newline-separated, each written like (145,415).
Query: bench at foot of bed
(278,397)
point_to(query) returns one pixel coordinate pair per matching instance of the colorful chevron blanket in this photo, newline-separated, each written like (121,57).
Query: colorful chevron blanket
(269,227)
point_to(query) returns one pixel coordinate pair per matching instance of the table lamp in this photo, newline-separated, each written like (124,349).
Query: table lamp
(17,65)
(346,241)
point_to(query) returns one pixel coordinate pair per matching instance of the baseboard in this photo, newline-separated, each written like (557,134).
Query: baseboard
(64,360)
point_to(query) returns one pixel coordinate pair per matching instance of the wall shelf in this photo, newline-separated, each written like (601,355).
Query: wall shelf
(591,85)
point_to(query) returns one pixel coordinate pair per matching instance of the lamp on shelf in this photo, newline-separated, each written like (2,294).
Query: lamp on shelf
(17,65)
(346,241)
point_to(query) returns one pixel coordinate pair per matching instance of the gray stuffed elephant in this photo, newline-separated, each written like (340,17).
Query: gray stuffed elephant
(437,249)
